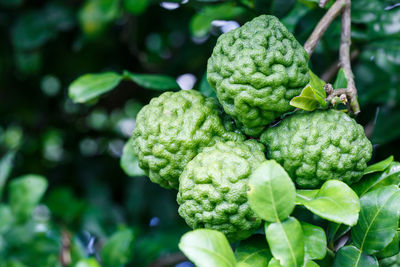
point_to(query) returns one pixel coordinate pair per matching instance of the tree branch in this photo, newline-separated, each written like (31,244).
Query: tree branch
(334,68)
(344,57)
(323,25)
(347,95)
(322,3)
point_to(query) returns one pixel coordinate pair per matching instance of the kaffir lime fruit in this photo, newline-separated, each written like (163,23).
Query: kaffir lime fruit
(256,70)
(172,129)
(318,146)
(213,189)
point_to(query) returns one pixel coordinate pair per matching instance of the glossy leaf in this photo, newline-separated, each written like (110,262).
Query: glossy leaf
(285,240)
(253,251)
(351,256)
(6,164)
(25,192)
(152,81)
(390,176)
(268,183)
(117,251)
(207,248)
(310,263)
(335,231)
(274,263)
(314,241)
(335,201)
(341,80)
(378,219)
(90,86)
(306,100)
(379,166)
(205,87)
(129,161)
(391,249)
(317,85)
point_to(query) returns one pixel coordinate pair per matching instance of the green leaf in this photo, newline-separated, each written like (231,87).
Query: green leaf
(118,249)
(89,262)
(25,192)
(336,230)
(95,15)
(152,81)
(314,241)
(200,23)
(390,176)
(90,86)
(317,85)
(274,263)
(136,6)
(305,195)
(379,166)
(351,256)
(335,202)
(253,251)
(268,183)
(285,240)
(6,164)
(6,218)
(129,162)
(310,263)
(378,219)
(207,248)
(306,100)
(205,87)
(341,80)
(391,249)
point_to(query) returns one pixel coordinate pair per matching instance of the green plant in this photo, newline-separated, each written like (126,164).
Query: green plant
(226,184)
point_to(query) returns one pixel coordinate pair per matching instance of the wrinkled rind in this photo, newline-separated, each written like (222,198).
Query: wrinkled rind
(319,146)
(213,189)
(172,129)
(256,70)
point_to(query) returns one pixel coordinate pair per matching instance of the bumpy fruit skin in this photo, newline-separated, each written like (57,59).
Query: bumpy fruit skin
(172,129)
(213,189)
(318,146)
(256,70)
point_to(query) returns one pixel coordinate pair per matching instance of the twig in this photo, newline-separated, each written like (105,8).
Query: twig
(334,68)
(322,3)
(169,260)
(344,57)
(323,25)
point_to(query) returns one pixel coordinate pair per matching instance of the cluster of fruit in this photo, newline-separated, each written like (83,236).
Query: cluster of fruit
(186,141)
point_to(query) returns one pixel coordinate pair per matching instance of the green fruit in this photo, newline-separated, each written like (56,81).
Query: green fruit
(213,189)
(172,129)
(256,70)
(319,146)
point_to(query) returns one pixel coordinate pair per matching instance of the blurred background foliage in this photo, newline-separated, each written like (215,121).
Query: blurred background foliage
(87,210)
